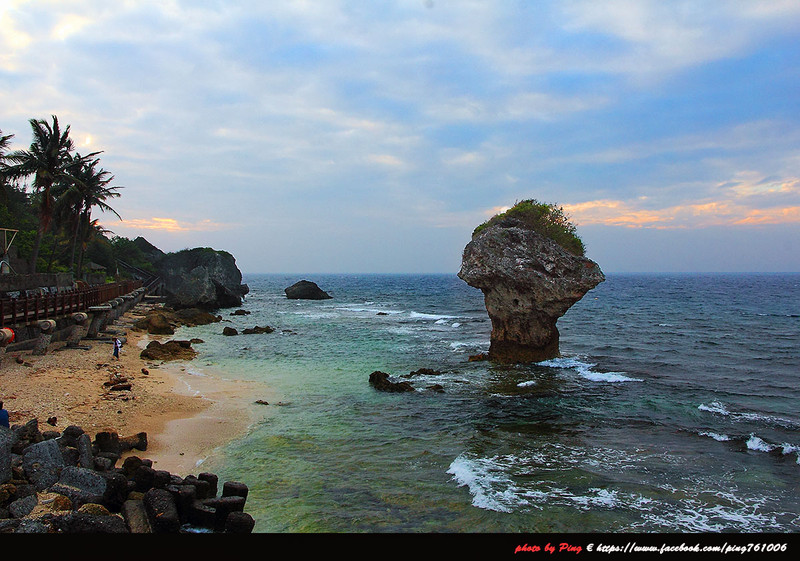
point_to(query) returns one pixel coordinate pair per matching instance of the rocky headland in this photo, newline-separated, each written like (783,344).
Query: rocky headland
(528,281)
(201,278)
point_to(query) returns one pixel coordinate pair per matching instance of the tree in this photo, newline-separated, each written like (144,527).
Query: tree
(89,189)
(5,141)
(47,159)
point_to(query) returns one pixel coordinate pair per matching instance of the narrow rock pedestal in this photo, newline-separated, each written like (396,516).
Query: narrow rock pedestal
(528,282)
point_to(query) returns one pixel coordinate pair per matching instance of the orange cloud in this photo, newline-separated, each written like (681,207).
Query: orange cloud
(712,213)
(171,225)
(772,216)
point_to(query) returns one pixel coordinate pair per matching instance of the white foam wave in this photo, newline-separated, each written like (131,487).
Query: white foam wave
(721,409)
(716,436)
(585,370)
(433,317)
(461,346)
(526,384)
(363,310)
(756,443)
(714,407)
(490,487)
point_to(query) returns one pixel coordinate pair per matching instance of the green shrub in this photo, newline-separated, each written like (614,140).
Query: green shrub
(546,219)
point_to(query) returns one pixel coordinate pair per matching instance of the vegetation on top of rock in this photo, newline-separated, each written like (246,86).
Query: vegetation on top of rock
(546,219)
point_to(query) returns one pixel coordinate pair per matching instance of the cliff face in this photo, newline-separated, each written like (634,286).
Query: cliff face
(528,282)
(202,278)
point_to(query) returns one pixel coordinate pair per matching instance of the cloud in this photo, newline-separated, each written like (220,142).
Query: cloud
(733,207)
(310,115)
(170,225)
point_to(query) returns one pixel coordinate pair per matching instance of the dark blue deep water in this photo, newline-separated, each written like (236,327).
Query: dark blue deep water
(675,407)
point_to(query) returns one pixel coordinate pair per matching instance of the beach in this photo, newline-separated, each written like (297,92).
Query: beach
(185,414)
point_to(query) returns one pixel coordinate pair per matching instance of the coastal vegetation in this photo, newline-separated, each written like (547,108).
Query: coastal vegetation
(48,192)
(546,219)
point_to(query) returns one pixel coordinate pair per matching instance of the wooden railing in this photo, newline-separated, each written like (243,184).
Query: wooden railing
(15,311)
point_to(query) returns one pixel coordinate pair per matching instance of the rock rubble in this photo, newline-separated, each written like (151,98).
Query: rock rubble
(53,482)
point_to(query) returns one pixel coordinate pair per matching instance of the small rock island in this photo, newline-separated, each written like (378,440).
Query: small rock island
(530,265)
(306,290)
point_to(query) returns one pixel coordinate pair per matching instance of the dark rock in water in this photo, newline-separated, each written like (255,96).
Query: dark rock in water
(528,282)
(425,372)
(478,357)
(229,331)
(306,290)
(240,312)
(380,381)
(257,330)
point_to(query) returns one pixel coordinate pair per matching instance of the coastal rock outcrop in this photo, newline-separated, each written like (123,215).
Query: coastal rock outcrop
(528,281)
(306,290)
(201,278)
(382,382)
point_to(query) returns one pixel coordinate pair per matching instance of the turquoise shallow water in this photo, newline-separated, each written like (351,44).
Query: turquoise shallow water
(673,408)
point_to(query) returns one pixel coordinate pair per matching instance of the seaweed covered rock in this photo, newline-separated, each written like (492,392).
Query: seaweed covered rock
(528,280)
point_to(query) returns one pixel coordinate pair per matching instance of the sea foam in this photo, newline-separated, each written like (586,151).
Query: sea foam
(585,370)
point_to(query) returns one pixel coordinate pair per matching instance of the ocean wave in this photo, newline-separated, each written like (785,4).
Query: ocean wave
(758,444)
(585,370)
(490,487)
(431,317)
(363,310)
(716,436)
(721,409)
(464,346)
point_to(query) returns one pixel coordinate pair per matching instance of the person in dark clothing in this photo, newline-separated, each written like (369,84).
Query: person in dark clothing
(3,416)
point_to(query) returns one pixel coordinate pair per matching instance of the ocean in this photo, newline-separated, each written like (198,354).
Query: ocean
(674,407)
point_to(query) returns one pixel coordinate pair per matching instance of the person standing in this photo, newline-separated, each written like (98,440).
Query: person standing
(3,416)
(117,347)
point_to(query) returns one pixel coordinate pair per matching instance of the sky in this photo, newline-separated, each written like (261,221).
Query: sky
(372,137)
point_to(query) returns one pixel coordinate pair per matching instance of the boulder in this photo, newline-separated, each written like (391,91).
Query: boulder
(381,381)
(171,350)
(306,290)
(156,323)
(528,282)
(257,330)
(201,278)
(42,463)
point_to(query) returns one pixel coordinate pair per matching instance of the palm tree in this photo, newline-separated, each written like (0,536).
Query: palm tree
(5,141)
(89,189)
(47,160)
(92,230)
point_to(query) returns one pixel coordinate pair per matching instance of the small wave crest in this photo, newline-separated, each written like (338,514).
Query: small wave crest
(720,408)
(489,485)
(585,369)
